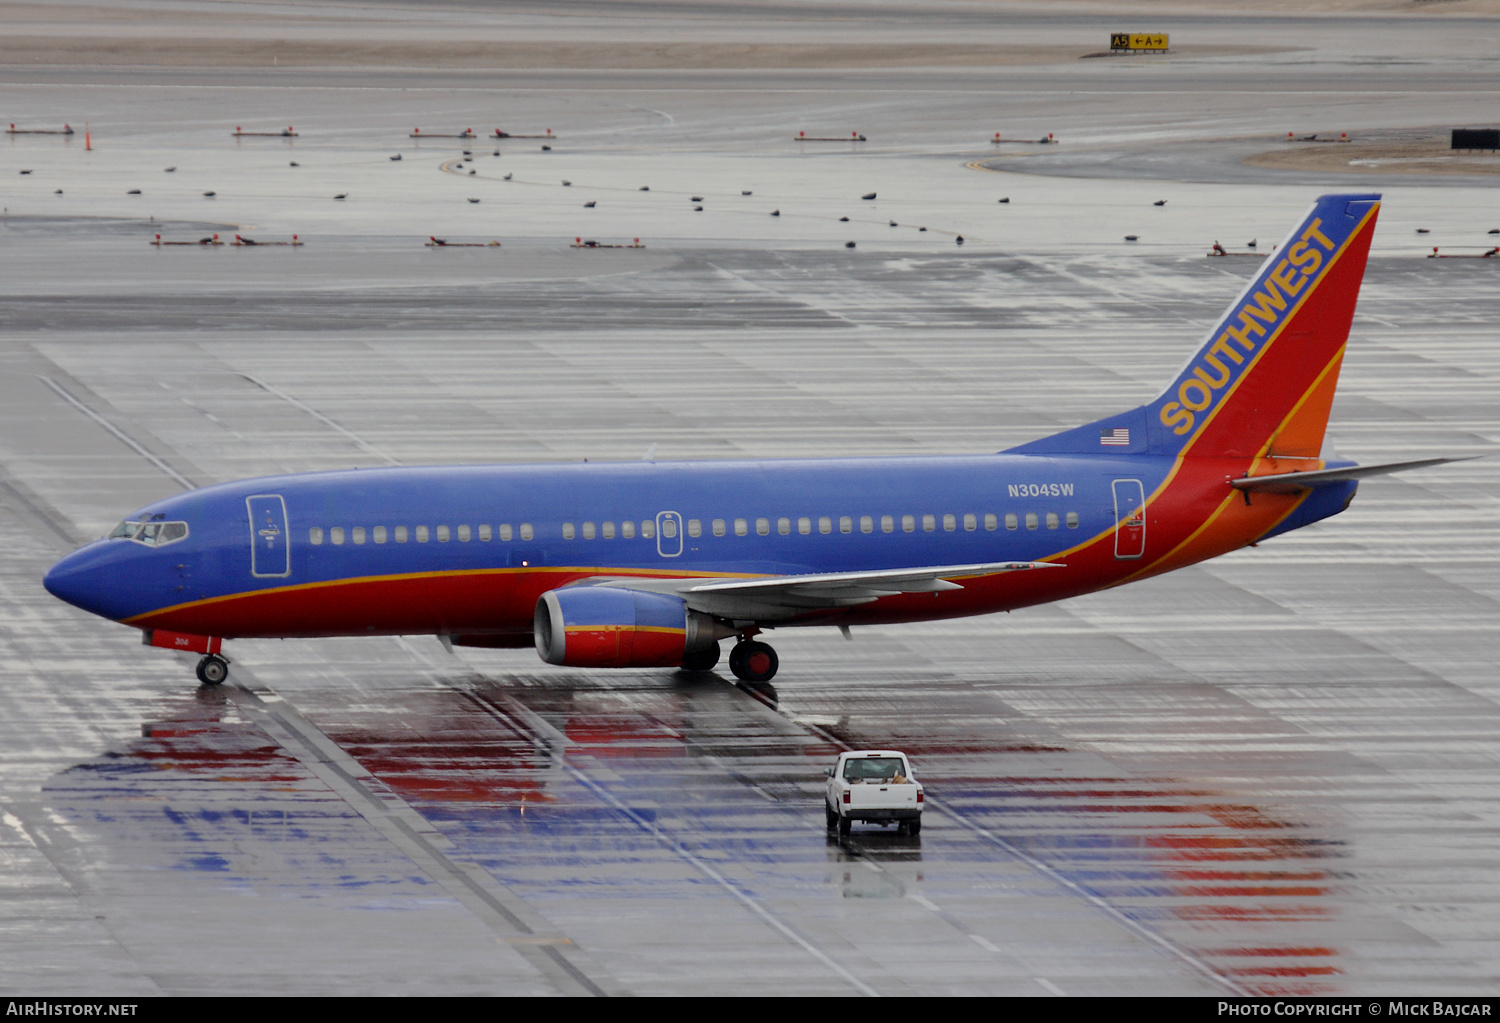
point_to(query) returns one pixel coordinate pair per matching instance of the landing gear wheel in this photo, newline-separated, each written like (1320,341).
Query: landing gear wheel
(702,660)
(753,661)
(845,824)
(212,670)
(831,815)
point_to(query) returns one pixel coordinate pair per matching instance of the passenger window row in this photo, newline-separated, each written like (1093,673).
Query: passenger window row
(337,535)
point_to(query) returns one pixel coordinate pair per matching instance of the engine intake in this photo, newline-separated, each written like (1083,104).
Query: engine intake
(604,627)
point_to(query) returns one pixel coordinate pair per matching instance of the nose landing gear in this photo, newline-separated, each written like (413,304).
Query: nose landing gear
(212,669)
(753,661)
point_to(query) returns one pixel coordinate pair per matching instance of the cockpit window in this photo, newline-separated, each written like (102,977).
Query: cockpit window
(151,534)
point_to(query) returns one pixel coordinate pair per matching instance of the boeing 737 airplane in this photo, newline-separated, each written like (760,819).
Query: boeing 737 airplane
(651,564)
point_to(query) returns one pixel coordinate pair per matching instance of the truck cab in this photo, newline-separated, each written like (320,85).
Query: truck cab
(875,786)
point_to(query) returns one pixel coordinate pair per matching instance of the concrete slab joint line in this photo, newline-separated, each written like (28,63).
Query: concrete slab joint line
(519,717)
(1051,873)
(52,520)
(516,925)
(745,898)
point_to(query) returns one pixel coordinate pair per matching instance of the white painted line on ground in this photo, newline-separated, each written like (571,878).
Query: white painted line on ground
(128,441)
(985,943)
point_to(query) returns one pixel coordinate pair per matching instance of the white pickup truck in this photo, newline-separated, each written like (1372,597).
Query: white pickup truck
(874,785)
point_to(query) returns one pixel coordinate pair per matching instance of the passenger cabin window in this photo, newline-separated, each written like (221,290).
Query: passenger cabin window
(739,527)
(315,536)
(763,527)
(627,530)
(825,524)
(378,534)
(588,530)
(668,528)
(421,534)
(866,524)
(695,528)
(609,530)
(567,530)
(990,522)
(400,534)
(804,525)
(718,527)
(505,532)
(648,529)
(784,527)
(463,534)
(1072,520)
(1031,520)
(358,534)
(442,534)
(929,523)
(526,531)
(1011,522)
(887,524)
(1052,520)
(908,523)
(336,535)
(846,524)
(970,523)
(484,533)
(949,523)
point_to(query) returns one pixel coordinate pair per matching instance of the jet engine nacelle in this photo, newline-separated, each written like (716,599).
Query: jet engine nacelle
(604,627)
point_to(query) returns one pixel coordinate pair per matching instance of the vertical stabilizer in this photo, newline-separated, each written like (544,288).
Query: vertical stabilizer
(1263,380)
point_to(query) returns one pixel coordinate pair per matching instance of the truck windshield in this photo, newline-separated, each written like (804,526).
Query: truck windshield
(874,769)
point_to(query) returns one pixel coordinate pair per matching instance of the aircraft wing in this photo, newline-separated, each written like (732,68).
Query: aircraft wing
(781,596)
(1291,482)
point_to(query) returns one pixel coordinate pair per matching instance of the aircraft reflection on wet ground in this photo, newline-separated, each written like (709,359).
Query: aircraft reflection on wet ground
(592,802)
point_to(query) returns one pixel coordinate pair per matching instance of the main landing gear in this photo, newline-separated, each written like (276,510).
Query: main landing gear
(212,669)
(753,661)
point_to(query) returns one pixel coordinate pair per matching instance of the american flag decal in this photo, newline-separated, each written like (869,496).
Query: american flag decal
(1119,437)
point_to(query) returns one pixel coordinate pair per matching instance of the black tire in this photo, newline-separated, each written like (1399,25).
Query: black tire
(845,825)
(832,816)
(914,827)
(752,661)
(702,660)
(212,670)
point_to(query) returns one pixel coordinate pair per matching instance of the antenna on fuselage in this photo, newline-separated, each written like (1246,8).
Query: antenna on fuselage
(650,455)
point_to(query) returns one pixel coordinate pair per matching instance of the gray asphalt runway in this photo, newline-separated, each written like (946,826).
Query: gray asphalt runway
(1269,774)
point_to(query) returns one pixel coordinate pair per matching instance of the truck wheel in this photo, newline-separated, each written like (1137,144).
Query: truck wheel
(914,827)
(844,825)
(831,815)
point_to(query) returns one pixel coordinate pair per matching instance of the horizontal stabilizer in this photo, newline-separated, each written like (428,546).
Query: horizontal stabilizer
(1291,482)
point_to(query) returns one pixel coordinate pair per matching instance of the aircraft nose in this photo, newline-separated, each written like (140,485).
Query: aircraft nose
(78,579)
